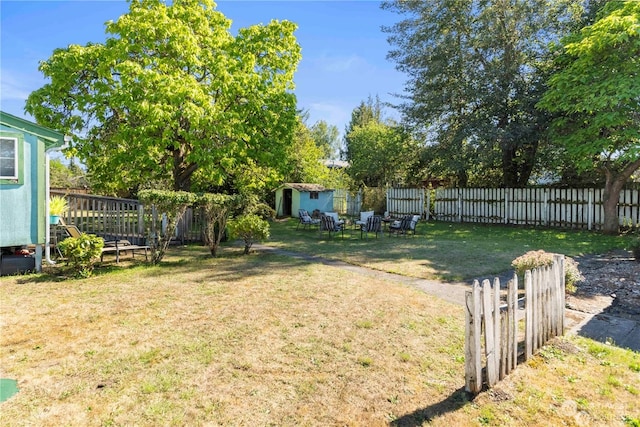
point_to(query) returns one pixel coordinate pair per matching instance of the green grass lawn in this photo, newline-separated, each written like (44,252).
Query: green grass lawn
(441,250)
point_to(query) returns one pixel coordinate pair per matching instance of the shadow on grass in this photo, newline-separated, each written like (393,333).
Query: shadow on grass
(455,401)
(229,264)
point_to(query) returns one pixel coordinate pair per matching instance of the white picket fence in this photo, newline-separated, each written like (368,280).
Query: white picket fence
(505,340)
(551,207)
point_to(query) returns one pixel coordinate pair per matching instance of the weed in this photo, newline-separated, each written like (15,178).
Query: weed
(632,422)
(364,324)
(631,389)
(598,350)
(611,380)
(605,391)
(404,357)
(583,404)
(572,379)
(487,417)
(365,361)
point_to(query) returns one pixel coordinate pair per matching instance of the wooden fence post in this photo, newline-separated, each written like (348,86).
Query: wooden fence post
(497,326)
(561,289)
(528,314)
(513,323)
(473,362)
(489,333)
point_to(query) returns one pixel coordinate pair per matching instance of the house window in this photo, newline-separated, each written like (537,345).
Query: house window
(9,158)
(314,195)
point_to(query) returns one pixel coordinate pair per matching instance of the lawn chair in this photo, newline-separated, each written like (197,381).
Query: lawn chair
(413,224)
(306,220)
(373,225)
(364,216)
(402,226)
(75,232)
(110,246)
(335,217)
(328,224)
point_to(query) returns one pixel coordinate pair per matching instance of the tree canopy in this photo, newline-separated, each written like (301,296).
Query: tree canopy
(380,151)
(173,97)
(474,78)
(596,94)
(381,154)
(326,137)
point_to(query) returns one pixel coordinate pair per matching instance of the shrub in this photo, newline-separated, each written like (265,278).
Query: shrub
(82,253)
(540,258)
(217,208)
(250,228)
(171,204)
(264,211)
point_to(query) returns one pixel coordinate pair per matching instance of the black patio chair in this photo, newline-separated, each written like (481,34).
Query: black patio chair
(328,224)
(373,225)
(306,220)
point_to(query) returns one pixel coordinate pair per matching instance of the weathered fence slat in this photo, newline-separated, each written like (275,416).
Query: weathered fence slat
(512,310)
(473,362)
(543,317)
(489,334)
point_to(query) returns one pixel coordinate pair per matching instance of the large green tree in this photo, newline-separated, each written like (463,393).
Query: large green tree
(327,138)
(305,157)
(63,176)
(381,154)
(597,96)
(172,96)
(473,77)
(369,111)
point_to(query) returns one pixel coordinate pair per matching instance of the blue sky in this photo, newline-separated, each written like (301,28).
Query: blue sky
(343,49)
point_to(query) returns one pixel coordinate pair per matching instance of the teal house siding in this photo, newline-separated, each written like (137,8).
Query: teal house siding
(290,197)
(23,197)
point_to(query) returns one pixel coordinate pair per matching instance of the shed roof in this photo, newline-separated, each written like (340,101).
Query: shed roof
(304,187)
(50,137)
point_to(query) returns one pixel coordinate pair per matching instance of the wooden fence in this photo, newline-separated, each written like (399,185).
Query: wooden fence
(405,201)
(566,208)
(550,207)
(112,218)
(506,340)
(346,202)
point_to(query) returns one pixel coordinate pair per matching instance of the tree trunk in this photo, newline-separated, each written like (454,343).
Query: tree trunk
(610,205)
(182,171)
(517,164)
(612,187)
(509,168)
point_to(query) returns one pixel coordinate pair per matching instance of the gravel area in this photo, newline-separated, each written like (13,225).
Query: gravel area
(611,285)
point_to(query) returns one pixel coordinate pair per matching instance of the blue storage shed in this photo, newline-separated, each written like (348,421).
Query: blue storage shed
(292,196)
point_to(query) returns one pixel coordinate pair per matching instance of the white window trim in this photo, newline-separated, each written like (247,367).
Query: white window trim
(16,157)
